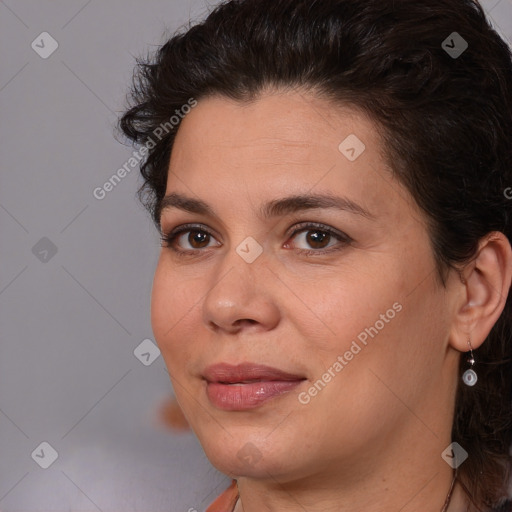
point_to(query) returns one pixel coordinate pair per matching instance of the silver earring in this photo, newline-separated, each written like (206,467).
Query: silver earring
(469,377)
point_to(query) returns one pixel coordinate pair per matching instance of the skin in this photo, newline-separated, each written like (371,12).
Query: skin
(371,439)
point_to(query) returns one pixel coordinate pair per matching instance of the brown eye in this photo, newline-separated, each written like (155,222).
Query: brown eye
(318,239)
(189,239)
(314,239)
(198,239)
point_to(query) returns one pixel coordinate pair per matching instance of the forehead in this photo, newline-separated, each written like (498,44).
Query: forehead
(283,141)
(277,122)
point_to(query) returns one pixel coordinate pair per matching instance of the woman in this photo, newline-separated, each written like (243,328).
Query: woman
(330,181)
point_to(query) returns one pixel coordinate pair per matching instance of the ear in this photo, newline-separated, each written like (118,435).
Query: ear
(485,284)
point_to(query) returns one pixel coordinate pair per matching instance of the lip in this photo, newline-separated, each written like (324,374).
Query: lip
(246,385)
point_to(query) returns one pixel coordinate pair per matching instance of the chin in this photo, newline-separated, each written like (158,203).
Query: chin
(243,456)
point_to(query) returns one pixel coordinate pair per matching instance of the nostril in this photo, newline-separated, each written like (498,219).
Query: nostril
(245,320)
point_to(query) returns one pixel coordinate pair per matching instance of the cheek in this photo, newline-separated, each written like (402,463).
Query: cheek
(385,317)
(163,301)
(346,307)
(173,308)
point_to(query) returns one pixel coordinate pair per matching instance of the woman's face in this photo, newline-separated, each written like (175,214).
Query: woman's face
(307,257)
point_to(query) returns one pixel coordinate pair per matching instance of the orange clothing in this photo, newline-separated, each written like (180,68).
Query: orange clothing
(226,501)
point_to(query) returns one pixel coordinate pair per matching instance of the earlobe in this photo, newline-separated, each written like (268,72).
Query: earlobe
(485,283)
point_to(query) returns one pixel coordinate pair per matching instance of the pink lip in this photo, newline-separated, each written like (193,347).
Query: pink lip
(246,385)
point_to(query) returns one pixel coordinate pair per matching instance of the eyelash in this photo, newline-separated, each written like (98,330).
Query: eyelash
(168,239)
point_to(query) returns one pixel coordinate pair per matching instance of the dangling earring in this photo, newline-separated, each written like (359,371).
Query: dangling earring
(470,377)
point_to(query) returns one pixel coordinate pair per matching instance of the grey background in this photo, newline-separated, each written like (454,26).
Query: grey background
(69,324)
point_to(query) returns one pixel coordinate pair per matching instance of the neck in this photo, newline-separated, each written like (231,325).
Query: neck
(429,498)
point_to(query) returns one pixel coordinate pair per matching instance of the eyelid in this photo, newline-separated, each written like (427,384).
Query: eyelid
(169,238)
(187,227)
(310,225)
(342,238)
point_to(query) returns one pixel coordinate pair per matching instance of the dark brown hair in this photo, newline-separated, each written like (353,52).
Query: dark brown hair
(446,120)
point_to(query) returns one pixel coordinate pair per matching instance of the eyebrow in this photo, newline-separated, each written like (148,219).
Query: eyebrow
(274,208)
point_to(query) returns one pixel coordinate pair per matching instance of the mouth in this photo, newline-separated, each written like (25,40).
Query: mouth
(247,385)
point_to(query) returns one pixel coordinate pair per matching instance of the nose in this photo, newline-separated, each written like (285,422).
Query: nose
(241,296)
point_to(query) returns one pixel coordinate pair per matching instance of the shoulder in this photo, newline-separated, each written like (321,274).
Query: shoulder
(226,501)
